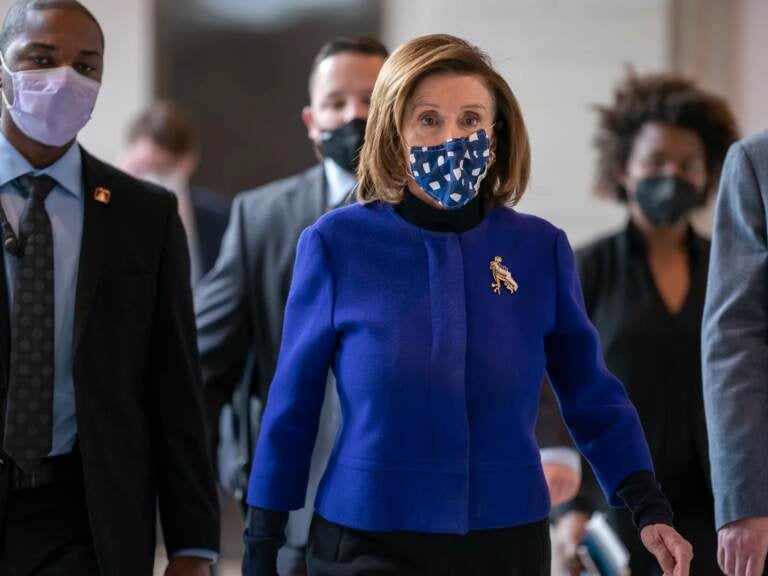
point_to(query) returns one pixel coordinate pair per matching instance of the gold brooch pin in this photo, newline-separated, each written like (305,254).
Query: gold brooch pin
(102,195)
(502,277)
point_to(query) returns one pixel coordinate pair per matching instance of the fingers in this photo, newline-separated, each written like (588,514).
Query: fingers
(567,534)
(742,548)
(656,546)
(757,560)
(739,565)
(737,558)
(721,554)
(756,565)
(672,551)
(726,556)
(681,551)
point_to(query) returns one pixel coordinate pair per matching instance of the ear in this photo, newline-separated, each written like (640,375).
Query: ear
(309,122)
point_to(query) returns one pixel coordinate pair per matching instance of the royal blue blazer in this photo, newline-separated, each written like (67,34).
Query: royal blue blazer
(439,377)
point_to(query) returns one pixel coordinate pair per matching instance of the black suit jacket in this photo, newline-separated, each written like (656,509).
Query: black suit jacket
(138,397)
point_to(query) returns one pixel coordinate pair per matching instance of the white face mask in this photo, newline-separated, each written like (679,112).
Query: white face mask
(52,105)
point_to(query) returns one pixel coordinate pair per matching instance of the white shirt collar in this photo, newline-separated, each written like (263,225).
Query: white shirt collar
(340,182)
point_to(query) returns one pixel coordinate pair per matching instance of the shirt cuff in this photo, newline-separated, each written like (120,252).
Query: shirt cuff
(209,555)
(643,496)
(562,455)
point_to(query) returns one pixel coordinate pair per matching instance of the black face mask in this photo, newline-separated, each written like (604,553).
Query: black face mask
(666,199)
(343,144)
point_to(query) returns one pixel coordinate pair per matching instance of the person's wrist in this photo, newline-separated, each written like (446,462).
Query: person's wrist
(653,517)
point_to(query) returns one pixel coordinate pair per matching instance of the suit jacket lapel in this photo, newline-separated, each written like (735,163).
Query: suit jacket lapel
(5,322)
(317,191)
(96,216)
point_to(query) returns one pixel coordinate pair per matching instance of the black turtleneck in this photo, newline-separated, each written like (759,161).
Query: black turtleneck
(426,216)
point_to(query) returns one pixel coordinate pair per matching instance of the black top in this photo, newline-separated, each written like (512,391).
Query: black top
(656,355)
(640,491)
(426,216)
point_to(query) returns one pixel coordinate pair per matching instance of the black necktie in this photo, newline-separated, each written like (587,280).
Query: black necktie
(29,412)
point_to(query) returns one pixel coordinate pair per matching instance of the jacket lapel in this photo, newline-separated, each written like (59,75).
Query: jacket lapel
(316,191)
(5,322)
(96,217)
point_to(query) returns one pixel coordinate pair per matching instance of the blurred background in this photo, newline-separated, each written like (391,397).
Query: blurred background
(241,67)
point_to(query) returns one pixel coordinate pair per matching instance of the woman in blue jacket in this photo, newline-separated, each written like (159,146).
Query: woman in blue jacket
(439,309)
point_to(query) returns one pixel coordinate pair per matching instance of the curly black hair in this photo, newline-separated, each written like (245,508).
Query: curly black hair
(665,98)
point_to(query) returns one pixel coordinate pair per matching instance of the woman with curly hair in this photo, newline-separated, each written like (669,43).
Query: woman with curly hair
(661,146)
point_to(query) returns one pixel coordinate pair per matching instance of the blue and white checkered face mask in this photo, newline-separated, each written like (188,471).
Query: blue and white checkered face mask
(451,172)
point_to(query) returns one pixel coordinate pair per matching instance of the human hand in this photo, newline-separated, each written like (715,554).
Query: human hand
(742,547)
(673,552)
(563,482)
(567,534)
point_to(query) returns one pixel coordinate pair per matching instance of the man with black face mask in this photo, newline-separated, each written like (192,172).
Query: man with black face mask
(239,304)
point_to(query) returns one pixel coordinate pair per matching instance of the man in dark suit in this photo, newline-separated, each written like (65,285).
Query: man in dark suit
(240,303)
(164,148)
(102,415)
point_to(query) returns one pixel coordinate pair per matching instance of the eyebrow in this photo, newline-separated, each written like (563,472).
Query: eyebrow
(52,48)
(334,94)
(424,104)
(39,46)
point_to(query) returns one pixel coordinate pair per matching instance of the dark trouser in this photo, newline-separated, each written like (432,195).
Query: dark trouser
(335,550)
(45,529)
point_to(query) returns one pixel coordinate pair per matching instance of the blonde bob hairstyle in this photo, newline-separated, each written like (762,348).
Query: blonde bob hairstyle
(383,171)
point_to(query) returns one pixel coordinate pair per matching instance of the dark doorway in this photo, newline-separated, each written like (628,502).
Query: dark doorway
(241,67)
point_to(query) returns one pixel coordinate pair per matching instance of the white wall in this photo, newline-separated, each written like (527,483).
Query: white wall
(752,49)
(724,48)
(128,71)
(559,57)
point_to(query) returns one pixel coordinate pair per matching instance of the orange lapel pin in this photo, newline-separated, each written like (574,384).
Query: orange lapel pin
(102,195)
